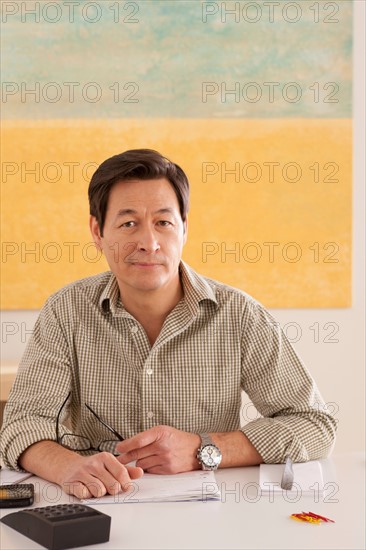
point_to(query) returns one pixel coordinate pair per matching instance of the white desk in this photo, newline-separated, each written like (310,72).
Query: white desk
(240,520)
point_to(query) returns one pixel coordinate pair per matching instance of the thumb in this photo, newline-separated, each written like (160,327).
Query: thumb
(135,472)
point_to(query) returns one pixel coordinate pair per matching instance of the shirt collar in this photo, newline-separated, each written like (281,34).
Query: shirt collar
(196,289)
(110,296)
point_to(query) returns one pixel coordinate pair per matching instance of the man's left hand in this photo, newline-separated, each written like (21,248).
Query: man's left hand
(161,450)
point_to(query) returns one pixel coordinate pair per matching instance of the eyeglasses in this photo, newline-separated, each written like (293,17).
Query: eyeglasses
(80,443)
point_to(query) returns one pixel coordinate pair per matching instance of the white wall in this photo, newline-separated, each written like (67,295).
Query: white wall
(338,367)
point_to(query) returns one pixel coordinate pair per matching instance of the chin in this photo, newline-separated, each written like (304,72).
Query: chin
(148,285)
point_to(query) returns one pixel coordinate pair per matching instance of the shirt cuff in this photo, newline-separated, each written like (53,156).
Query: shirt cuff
(275,441)
(18,437)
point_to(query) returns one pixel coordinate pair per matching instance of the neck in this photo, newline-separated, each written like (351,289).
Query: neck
(152,306)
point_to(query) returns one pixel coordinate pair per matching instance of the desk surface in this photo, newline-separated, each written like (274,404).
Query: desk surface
(242,519)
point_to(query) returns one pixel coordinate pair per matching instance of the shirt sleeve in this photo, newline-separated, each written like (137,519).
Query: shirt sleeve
(295,421)
(41,386)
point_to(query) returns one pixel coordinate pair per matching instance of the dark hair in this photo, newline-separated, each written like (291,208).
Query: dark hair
(139,164)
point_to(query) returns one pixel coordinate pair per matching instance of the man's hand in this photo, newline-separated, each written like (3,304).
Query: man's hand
(82,476)
(97,475)
(165,450)
(161,450)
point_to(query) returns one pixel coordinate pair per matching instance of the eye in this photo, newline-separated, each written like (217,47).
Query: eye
(128,224)
(164,223)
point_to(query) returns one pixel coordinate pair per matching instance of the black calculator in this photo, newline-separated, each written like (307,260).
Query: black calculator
(61,526)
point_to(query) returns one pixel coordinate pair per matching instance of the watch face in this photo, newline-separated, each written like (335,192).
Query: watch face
(210,456)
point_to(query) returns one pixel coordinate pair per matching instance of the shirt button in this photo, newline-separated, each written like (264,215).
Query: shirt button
(150,414)
(149,371)
(134,329)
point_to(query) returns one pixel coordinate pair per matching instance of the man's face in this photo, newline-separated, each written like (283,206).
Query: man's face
(143,235)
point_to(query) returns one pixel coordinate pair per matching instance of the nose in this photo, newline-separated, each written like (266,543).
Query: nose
(147,241)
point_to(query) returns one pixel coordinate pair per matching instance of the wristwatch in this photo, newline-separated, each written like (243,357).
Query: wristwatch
(208,454)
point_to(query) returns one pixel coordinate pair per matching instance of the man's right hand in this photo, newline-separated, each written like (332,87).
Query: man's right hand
(82,476)
(97,475)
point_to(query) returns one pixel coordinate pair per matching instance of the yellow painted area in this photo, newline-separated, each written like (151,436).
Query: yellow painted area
(290,241)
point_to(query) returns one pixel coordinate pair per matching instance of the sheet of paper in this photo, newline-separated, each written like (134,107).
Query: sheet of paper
(11,476)
(189,486)
(308,476)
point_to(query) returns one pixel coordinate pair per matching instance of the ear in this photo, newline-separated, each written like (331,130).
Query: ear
(185,230)
(95,232)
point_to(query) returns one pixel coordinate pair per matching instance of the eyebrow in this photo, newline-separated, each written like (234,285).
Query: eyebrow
(131,211)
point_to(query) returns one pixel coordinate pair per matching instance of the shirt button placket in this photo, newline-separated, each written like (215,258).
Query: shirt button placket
(149,391)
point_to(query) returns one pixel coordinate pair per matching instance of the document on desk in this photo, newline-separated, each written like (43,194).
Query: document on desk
(308,476)
(7,477)
(186,487)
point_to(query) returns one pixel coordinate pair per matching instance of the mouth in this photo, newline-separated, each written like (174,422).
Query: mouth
(145,264)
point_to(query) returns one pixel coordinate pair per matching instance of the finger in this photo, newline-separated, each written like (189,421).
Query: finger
(83,491)
(159,469)
(137,441)
(97,481)
(95,486)
(77,489)
(149,462)
(160,466)
(135,472)
(123,474)
(99,474)
(138,453)
(114,475)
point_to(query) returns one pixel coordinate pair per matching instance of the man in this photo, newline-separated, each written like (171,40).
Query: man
(154,354)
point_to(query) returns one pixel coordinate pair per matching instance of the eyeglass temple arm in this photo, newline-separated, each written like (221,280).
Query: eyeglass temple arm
(58,417)
(105,423)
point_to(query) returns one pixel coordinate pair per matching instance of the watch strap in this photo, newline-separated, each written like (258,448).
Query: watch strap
(205,440)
